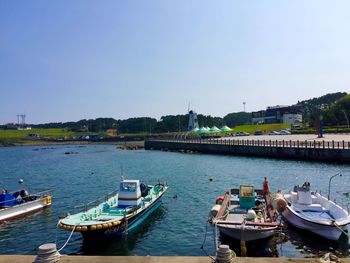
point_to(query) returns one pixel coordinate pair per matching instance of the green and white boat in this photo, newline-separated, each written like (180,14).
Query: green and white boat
(118,214)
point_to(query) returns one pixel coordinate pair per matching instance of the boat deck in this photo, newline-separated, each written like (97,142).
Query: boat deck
(316,214)
(108,212)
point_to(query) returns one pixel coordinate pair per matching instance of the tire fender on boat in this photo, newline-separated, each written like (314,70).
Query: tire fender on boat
(278,202)
(115,223)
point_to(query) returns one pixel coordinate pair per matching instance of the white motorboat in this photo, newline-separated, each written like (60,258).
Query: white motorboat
(21,203)
(312,211)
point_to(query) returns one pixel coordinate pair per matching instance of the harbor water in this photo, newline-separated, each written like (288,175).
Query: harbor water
(81,174)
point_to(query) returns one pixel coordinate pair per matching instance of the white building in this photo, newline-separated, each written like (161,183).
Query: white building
(292,118)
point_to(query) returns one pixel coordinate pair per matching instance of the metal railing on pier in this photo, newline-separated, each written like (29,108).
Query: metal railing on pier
(316,144)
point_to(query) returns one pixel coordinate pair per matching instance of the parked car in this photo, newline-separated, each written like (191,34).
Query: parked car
(274,133)
(258,132)
(285,132)
(242,133)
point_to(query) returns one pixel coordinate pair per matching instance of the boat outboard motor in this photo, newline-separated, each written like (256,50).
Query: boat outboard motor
(144,190)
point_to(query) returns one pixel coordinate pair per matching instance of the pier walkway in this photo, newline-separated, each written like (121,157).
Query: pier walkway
(334,148)
(153,259)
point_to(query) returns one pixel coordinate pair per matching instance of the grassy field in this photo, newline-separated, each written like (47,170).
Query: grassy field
(15,136)
(262,127)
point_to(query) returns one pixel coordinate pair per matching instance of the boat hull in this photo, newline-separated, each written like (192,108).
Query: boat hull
(246,234)
(126,226)
(324,230)
(24,209)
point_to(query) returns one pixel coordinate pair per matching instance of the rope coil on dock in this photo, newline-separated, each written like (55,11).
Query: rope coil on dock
(225,255)
(47,253)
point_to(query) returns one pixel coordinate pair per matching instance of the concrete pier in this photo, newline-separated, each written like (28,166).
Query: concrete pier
(152,259)
(272,147)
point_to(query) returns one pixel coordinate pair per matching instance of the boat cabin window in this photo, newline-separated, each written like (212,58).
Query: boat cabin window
(128,187)
(246,191)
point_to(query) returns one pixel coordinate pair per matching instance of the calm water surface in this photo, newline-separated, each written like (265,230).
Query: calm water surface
(179,226)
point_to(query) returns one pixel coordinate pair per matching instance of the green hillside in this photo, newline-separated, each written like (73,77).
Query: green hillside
(262,127)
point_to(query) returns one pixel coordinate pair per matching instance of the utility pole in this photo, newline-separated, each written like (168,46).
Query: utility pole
(346,116)
(244,106)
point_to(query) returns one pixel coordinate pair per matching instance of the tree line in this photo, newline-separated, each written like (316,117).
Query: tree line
(334,109)
(168,123)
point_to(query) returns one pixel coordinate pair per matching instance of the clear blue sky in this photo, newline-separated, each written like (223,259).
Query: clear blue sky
(69,60)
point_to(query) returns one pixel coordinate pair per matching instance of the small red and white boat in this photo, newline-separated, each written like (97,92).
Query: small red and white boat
(245,214)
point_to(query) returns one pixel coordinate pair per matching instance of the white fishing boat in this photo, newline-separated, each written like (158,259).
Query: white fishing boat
(118,213)
(245,214)
(21,203)
(313,212)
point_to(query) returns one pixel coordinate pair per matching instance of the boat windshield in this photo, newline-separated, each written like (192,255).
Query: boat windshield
(128,187)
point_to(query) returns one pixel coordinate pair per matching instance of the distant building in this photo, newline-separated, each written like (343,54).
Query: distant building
(11,126)
(112,132)
(20,127)
(24,128)
(278,114)
(292,118)
(192,120)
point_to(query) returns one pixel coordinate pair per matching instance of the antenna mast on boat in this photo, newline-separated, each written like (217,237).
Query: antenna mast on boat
(121,173)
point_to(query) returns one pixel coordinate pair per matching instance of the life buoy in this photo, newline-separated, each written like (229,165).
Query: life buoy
(219,200)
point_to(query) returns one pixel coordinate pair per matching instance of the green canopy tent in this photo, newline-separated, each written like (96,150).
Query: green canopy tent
(214,129)
(225,129)
(202,130)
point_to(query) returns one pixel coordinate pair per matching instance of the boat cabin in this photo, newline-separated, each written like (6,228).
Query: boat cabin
(246,196)
(129,193)
(302,194)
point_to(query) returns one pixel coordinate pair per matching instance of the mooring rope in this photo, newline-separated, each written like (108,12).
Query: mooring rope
(342,230)
(205,238)
(65,244)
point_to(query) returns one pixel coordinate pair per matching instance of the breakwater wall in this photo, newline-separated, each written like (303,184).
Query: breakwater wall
(326,151)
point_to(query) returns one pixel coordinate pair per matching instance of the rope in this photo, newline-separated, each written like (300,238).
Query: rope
(205,238)
(67,239)
(216,236)
(224,215)
(342,230)
(229,258)
(225,255)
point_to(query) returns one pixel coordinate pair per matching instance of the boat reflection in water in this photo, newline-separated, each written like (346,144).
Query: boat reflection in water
(308,243)
(258,248)
(125,244)
(287,241)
